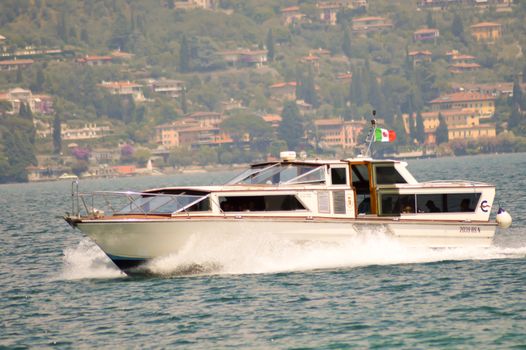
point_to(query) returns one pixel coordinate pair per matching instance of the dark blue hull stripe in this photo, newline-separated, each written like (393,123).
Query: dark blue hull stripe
(125,263)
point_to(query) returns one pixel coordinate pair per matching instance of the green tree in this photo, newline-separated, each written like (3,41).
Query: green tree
(346,43)
(412,128)
(420,131)
(457,27)
(259,132)
(291,128)
(442,130)
(184,55)
(515,117)
(57,137)
(180,157)
(184,102)
(270,46)
(517,98)
(430,22)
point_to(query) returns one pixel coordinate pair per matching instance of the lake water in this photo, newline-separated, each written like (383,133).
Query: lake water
(59,290)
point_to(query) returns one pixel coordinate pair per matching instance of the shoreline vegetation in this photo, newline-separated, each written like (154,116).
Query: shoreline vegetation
(118,87)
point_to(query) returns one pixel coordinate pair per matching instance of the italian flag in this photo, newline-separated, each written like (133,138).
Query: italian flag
(384,135)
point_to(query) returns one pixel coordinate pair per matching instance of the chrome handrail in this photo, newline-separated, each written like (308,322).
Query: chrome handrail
(132,199)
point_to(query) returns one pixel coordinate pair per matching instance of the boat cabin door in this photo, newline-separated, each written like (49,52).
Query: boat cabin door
(361,183)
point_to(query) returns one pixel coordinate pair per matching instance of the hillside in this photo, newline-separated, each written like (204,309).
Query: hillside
(135,66)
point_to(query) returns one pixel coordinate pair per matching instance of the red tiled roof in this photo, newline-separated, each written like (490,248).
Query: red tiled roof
(98,58)
(290,9)
(463,57)
(118,84)
(343,76)
(486,24)
(271,118)
(16,62)
(465,65)
(328,122)
(463,96)
(366,19)
(280,85)
(447,113)
(425,53)
(426,30)
(310,58)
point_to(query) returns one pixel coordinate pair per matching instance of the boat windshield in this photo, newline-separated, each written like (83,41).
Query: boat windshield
(279,173)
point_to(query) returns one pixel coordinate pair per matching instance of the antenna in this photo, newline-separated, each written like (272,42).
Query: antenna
(369,138)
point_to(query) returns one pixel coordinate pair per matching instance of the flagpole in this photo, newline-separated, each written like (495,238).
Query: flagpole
(370,136)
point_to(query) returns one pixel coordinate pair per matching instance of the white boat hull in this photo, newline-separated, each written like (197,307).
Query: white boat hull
(131,242)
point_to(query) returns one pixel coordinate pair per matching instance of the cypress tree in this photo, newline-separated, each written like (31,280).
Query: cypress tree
(184,55)
(420,131)
(515,117)
(291,128)
(57,136)
(184,103)
(346,43)
(270,46)
(517,98)
(442,130)
(457,28)
(412,128)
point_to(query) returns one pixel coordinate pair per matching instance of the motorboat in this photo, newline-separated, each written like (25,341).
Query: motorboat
(294,199)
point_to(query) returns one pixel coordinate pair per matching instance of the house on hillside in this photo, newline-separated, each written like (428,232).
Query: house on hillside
(417,57)
(480,104)
(273,120)
(87,131)
(39,104)
(124,88)
(462,125)
(94,60)
(338,133)
(245,57)
(283,90)
(370,24)
(292,15)
(166,87)
(312,61)
(189,133)
(426,34)
(486,31)
(9,65)
(493,89)
(193,4)
(467,4)
(2,43)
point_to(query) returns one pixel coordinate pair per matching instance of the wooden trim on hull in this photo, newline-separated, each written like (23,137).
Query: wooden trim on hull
(359,220)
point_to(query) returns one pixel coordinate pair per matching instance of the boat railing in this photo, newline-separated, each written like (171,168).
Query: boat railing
(110,203)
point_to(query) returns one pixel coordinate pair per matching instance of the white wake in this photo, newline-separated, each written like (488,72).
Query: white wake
(245,253)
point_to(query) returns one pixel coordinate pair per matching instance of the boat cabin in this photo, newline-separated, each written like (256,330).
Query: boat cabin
(350,188)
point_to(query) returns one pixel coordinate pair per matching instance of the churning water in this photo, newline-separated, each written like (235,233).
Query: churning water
(59,290)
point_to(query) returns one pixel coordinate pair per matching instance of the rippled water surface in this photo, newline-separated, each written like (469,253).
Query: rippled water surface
(59,290)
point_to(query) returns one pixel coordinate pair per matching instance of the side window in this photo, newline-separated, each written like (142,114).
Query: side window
(339,176)
(387,174)
(260,203)
(396,204)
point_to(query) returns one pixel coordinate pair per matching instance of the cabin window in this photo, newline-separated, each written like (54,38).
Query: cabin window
(282,173)
(360,182)
(396,204)
(339,176)
(360,178)
(260,203)
(447,203)
(387,174)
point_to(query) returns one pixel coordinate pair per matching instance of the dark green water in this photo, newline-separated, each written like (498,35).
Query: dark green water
(58,290)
